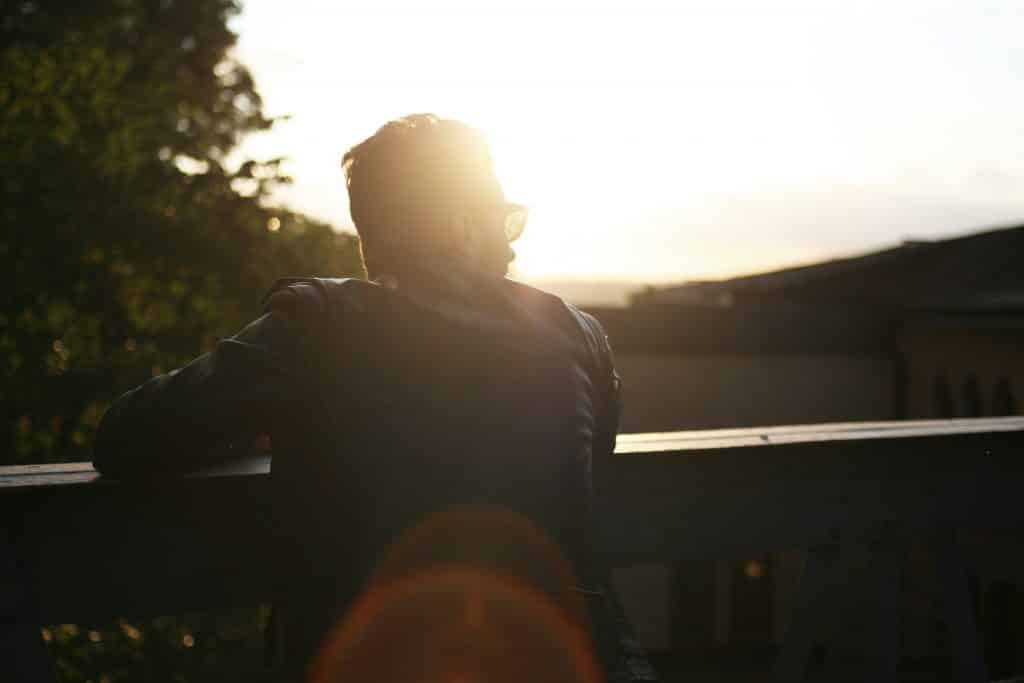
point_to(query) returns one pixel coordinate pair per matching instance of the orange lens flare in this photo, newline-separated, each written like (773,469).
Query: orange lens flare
(490,538)
(451,625)
(473,593)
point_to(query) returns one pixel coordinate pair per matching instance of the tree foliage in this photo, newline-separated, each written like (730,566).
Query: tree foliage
(128,241)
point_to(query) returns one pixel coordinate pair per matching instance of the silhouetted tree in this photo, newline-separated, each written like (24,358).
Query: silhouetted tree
(127,244)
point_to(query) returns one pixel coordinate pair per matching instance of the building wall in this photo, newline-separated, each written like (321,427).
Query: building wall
(675,392)
(958,371)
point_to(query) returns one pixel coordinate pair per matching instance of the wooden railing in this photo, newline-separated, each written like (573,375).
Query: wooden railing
(201,542)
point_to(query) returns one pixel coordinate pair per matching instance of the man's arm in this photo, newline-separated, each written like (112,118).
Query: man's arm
(607,386)
(189,418)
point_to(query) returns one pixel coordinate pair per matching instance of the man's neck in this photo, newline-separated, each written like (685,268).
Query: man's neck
(446,276)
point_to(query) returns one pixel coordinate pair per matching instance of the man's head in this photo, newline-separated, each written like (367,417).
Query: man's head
(422,189)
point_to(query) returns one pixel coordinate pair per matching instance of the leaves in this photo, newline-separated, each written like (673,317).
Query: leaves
(130,246)
(220,646)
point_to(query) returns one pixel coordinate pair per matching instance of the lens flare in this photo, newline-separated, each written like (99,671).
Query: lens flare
(454,624)
(490,538)
(473,593)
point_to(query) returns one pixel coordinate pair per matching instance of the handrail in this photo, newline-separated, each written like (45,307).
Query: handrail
(53,474)
(201,541)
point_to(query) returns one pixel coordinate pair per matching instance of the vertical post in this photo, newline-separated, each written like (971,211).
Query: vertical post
(956,598)
(786,570)
(865,604)
(810,613)
(22,653)
(850,609)
(723,602)
(885,567)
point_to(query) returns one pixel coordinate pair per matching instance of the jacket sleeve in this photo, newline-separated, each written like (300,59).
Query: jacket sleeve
(209,410)
(612,390)
(607,386)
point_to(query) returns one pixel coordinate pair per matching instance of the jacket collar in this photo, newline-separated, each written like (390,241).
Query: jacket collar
(441,283)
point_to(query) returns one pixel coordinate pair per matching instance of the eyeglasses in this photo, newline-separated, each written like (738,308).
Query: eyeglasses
(513,218)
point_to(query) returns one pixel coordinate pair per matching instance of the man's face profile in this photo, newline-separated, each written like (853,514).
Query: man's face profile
(487,235)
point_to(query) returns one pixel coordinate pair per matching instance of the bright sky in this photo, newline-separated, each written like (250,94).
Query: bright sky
(676,140)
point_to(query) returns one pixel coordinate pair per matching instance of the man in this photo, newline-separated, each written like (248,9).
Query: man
(436,386)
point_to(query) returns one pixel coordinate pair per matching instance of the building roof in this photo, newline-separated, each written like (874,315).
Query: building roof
(983,271)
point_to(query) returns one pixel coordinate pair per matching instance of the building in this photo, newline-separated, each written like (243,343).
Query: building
(920,330)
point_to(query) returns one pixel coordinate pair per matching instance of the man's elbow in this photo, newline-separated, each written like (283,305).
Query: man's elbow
(121,458)
(114,446)
(106,465)
(107,451)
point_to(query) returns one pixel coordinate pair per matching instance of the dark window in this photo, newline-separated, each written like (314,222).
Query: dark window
(1003,400)
(973,406)
(943,397)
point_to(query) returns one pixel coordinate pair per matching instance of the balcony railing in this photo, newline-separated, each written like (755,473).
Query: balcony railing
(201,542)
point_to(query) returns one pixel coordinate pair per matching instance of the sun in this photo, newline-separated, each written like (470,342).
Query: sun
(583,190)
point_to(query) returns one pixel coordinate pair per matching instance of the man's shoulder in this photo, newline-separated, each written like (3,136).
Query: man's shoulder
(567,315)
(315,295)
(533,296)
(549,305)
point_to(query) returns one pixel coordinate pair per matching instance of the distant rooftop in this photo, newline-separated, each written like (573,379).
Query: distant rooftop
(982,271)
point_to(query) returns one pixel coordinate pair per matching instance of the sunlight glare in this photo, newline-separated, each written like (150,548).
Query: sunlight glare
(671,139)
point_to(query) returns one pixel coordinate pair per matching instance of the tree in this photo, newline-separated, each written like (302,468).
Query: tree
(129,245)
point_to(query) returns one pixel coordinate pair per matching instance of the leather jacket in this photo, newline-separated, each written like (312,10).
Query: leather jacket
(386,405)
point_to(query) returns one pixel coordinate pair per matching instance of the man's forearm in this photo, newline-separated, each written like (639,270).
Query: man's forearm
(187,419)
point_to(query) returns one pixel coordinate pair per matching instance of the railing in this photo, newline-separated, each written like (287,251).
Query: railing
(200,542)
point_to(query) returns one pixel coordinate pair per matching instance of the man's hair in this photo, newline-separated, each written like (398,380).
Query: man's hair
(403,174)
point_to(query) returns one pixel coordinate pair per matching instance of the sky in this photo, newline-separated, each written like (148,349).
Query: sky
(668,141)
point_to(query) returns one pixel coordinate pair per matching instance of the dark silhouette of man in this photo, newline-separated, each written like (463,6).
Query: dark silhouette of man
(437,387)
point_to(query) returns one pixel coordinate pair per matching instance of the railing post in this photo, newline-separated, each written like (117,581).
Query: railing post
(886,565)
(870,604)
(814,608)
(831,593)
(956,598)
(22,654)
